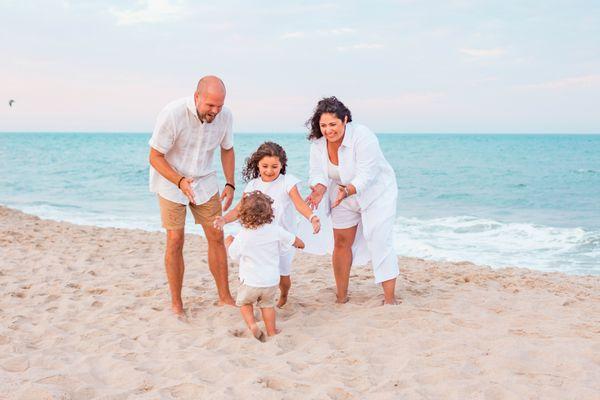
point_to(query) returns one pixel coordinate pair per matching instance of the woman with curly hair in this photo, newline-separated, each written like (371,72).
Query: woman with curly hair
(265,171)
(349,172)
(258,247)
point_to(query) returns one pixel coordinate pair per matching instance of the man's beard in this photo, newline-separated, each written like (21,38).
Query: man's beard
(208,118)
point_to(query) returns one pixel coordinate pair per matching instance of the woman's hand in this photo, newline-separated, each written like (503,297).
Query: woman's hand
(341,195)
(219,222)
(316,224)
(316,195)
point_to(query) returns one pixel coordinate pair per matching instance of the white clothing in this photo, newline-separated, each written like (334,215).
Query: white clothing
(347,213)
(333,171)
(283,208)
(258,251)
(189,145)
(362,164)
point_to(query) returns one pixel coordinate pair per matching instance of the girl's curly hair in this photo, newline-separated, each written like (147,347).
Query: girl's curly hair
(255,210)
(267,149)
(327,105)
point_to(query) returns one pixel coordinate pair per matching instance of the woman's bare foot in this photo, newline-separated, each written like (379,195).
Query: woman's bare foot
(282,301)
(342,300)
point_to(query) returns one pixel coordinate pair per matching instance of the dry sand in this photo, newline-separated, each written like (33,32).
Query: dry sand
(84,315)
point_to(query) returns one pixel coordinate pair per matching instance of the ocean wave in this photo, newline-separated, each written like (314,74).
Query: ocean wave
(499,244)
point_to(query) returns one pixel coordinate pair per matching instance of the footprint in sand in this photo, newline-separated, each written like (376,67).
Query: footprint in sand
(237,332)
(17,364)
(185,391)
(272,383)
(52,297)
(97,291)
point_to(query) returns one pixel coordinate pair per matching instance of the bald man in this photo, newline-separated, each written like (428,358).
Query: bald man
(186,135)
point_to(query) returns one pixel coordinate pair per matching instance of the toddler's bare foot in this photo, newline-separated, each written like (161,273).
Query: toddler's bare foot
(282,301)
(258,334)
(277,332)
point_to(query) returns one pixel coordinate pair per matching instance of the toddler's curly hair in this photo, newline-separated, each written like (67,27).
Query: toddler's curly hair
(255,210)
(267,149)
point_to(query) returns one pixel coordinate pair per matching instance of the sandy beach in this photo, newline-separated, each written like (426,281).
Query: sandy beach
(84,315)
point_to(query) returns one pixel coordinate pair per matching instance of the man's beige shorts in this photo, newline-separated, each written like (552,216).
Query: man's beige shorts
(173,214)
(263,296)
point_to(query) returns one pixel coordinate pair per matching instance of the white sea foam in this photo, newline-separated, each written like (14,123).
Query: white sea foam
(457,238)
(498,244)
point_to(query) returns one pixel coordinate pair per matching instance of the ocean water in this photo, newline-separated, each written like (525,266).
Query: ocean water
(499,200)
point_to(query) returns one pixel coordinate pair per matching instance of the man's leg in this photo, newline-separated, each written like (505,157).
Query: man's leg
(175,267)
(217,263)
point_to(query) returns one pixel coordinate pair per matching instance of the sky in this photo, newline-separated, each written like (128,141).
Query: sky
(401,66)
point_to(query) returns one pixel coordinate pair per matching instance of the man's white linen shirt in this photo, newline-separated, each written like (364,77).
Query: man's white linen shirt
(258,251)
(189,145)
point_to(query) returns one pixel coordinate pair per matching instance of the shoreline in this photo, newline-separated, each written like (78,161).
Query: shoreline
(195,230)
(85,315)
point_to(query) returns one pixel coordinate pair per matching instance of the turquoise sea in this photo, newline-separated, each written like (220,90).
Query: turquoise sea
(500,200)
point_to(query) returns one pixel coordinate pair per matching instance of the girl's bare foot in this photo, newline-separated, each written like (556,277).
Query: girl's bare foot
(392,302)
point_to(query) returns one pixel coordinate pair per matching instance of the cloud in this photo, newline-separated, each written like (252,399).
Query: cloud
(479,53)
(361,46)
(571,82)
(148,11)
(336,32)
(293,35)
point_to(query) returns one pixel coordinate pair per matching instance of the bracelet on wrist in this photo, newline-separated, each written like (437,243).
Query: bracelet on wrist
(311,216)
(179,183)
(230,185)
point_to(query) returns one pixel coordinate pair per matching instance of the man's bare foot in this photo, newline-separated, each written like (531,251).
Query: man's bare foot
(282,301)
(258,334)
(343,300)
(178,309)
(226,302)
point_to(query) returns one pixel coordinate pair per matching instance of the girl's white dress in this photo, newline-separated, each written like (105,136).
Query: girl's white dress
(283,208)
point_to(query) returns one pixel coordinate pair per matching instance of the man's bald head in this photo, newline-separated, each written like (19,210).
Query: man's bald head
(211,84)
(209,98)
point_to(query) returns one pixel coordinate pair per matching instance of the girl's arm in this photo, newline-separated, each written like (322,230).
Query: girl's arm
(298,243)
(304,209)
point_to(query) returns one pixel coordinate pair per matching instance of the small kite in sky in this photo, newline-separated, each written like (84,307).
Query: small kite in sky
(11,102)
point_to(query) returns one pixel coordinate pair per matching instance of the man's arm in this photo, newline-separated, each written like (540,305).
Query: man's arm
(160,164)
(228,163)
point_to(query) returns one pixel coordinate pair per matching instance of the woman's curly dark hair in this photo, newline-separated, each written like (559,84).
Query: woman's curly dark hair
(255,210)
(327,105)
(267,149)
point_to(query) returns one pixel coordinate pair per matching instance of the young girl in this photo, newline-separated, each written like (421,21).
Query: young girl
(265,171)
(258,247)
